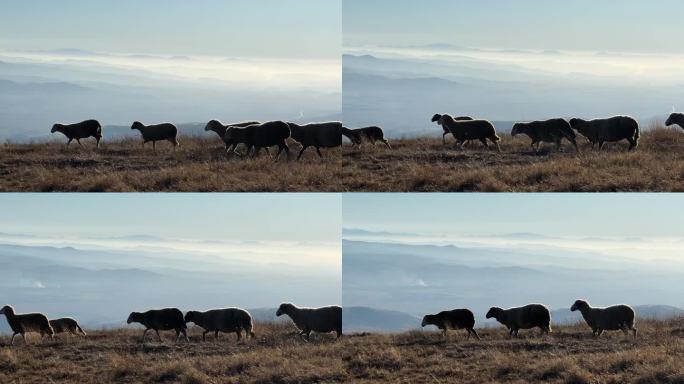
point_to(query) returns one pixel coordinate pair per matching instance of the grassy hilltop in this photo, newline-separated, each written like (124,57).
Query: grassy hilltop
(198,165)
(426,165)
(569,355)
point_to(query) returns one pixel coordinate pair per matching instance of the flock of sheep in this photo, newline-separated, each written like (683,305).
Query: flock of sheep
(614,318)
(227,320)
(326,320)
(256,136)
(252,134)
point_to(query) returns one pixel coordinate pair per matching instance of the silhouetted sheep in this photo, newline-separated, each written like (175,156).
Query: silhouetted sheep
(317,135)
(222,320)
(465,130)
(437,116)
(529,316)
(608,130)
(66,324)
(158,132)
(160,319)
(22,323)
(454,319)
(220,129)
(549,131)
(613,318)
(260,136)
(371,134)
(321,320)
(78,131)
(675,118)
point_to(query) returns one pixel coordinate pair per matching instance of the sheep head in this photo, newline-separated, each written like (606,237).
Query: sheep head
(579,305)
(134,317)
(284,309)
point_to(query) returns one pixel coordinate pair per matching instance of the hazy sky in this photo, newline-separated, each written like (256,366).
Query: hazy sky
(597,25)
(258,217)
(242,28)
(547,214)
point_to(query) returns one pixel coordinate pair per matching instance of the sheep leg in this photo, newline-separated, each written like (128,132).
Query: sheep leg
(204,335)
(444,138)
(600,146)
(484,142)
(216,335)
(79,142)
(600,332)
(157,332)
(339,333)
(472,330)
(386,143)
(632,144)
(145,333)
(12,339)
(154,146)
(300,152)
(68,142)
(318,150)
(239,335)
(185,335)
(97,143)
(23,336)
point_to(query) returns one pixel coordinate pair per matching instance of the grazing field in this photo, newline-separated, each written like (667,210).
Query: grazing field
(198,165)
(569,355)
(277,355)
(426,165)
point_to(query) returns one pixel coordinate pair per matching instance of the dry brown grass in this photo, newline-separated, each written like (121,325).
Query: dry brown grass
(569,355)
(198,165)
(277,355)
(426,165)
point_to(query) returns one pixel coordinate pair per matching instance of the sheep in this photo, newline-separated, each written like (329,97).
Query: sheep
(550,131)
(437,116)
(613,318)
(321,320)
(465,130)
(260,136)
(454,319)
(220,129)
(158,132)
(675,118)
(78,131)
(608,130)
(66,324)
(317,135)
(164,319)
(22,323)
(526,317)
(371,134)
(222,320)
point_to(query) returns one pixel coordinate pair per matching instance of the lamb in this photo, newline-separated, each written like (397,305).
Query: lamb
(159,132)
(66,324)
(220,129)
(549,131)
(675,118)
(465,130)
(160,319)
(321,320)
(613,318)
(260,136)
(454,319)
(526,317)
(22,323)
(78,131)
(608,130)
(222,320)
(371,134)
(317,135)
(437,116)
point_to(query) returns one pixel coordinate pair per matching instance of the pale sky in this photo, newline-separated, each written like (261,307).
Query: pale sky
(551,214)
(235,28)
(296,217)
(582,25)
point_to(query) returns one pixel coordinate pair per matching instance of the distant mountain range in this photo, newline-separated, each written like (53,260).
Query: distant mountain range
(400,93)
